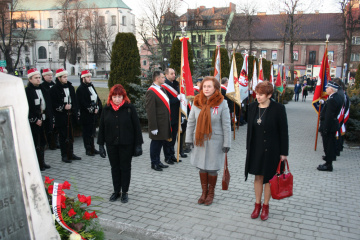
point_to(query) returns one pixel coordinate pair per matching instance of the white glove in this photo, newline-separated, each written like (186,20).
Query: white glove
(250,91)
(155,132)
(178,97)
(242,105)
(321,101)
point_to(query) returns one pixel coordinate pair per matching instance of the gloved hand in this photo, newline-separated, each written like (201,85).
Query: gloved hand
(102,151)
(225,149)
(189,145)
(155,132)
(321,101)
(178,97)
(138,151)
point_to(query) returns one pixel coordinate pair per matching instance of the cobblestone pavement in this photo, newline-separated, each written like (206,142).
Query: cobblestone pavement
(163,205)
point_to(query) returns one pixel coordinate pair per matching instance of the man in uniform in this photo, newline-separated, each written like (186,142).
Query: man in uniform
(158,113)
(172,89)
(329,124)
(65,110)
(90,106)
(39,113)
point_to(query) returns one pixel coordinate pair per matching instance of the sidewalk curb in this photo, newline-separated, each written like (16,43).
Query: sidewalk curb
(137,232)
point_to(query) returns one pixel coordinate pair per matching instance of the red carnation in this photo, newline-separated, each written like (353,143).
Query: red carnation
(93,215)
(63,199)
(86,215)
(48,180)
(50,189)
(71,212)
(66,185)
(84,199)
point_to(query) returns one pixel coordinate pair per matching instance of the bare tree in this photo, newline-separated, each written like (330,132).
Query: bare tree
(14,31)
(73,15)
(350,21)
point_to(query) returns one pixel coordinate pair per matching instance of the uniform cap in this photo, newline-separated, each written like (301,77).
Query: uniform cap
(60,72)
(33,71)
(47,71)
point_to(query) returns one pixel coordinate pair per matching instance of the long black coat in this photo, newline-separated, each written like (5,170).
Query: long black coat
(58,104)
(174,102)
(86,106)
(120,127)
(276,137)
(328,116)
(47,85)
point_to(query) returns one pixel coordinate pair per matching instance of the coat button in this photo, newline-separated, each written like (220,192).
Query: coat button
(117,126)
(264,131)
(265,140)
(265,150)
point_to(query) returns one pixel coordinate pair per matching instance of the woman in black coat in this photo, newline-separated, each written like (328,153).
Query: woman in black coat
(267,142)
(120,130)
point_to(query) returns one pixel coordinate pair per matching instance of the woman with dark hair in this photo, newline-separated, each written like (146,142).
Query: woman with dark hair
(208,132)
(120,130)
(90,107)
(267,142)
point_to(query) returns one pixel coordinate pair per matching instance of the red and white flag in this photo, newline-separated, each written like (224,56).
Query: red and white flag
(217,67)
(233,90)
(261,74)
(254,81)
(272,74)
(243,79)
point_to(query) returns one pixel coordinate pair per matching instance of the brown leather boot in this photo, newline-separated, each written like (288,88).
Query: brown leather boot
(212,183)
(265,212)
(256,212)
(204,186)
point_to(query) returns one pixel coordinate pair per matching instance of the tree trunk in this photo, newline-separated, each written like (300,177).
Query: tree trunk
(9,61)
(291,62)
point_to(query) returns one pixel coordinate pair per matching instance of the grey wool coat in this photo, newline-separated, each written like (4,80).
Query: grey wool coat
(210,156)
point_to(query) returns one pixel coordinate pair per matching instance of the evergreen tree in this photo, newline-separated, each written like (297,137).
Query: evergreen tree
(225,65)
(357,77)
(239,62)
(266,68)
(125,63)
(175,56)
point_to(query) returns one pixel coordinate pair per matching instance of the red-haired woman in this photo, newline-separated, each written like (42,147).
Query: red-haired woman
(120,130)
(267,142)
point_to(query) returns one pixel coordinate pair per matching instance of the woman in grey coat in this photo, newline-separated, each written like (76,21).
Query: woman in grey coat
(209,132)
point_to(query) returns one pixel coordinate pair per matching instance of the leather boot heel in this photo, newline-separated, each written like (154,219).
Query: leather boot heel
(265,212)
(256,212)
(204,186)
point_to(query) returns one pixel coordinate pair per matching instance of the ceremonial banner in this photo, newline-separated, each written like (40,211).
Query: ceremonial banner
(324,77)
(261,73)
(186,84)
(217,67)
(233,90)
(272,74)
(278,83)
(254,81)
(243,79)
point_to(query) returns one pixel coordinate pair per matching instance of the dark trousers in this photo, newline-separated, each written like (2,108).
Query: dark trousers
(38,135)
(120,161)
(329,143)
(155,149)
(66,142)
(169,147)
(296,97)
(88,136)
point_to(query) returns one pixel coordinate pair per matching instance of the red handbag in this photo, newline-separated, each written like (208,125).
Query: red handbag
(281,185)
(226,175)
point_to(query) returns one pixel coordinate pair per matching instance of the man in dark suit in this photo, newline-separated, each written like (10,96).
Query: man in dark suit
(329,124)
(172,90)
(297,90)
(158,113)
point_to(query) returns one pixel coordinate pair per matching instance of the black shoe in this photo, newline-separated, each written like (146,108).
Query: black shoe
(175,160)
(162,165)
(96,151)
(169,161)
(325,167)
(74,157)
(323,157)
(42,168)
(183,155)
(89,153)
(187,150)
(124,198)
(46,166)
(114,197)
(156,167)
(65,159)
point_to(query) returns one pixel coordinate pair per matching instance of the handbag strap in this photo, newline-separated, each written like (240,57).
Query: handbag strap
(279,166)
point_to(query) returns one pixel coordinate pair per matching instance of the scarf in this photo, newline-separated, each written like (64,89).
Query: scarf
(203,127)
(116,107)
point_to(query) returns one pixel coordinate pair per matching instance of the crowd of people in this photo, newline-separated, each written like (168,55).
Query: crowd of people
(54,108)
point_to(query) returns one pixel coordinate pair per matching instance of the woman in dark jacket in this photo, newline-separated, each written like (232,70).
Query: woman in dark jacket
(120,130)
(267,142)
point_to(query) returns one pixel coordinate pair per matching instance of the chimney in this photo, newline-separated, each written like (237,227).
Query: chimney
(282,12)
(317,11)
(300,12)
(213,10)
(261,13)
(202,7)
(198,11)
(232,8)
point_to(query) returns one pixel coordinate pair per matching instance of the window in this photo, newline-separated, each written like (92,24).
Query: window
(101,20)
(199,23)
(26,48)
(212,38)
(113,20)
(211,53)
(14,24)
(32,23)
(296,55)
(198,54)
(263,53)
(312,57)
(124,20)
(87,22)
(62,52)
(42,52)
(355,57)
(220,38)
(218,22)
(183,24)
(144,62)
(193,38)
(50,23)
(200,38)
(331,55)
(355,40)
(274,55)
